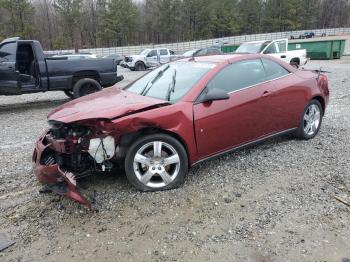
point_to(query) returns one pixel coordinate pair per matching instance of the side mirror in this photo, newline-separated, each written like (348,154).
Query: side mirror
(213,95)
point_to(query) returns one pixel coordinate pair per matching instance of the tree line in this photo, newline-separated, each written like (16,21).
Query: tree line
(66,24)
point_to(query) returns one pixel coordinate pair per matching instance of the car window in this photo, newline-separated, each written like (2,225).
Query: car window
(273,70)
(271,49)
(201,52)
(214,52)
(163,52)
(152,53)
(282,46)
(238,76)
(8,51)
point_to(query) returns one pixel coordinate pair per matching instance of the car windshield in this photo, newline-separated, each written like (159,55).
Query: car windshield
(145,52)
(190,53)
(158,82)
(252,48)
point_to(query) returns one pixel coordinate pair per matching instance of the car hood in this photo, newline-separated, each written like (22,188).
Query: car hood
(107,104)
(136,57)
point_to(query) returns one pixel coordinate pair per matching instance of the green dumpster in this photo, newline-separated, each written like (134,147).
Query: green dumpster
(229,48)
(320,49)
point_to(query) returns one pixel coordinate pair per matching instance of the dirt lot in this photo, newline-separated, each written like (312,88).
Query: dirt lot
(270,202)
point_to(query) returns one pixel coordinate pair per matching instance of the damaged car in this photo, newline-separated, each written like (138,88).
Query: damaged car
(175,117)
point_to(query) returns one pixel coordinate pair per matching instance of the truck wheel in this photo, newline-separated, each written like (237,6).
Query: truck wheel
(295,63)
(69,93)
(85,87)
(140,66)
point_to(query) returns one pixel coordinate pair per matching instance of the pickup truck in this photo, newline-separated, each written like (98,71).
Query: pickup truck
(24,69)
(148,58)
(277,48)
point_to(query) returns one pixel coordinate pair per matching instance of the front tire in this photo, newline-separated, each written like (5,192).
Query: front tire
(156,162)
(311,120)
(140,66)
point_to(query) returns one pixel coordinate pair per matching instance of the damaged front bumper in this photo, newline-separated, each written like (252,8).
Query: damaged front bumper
(50,174)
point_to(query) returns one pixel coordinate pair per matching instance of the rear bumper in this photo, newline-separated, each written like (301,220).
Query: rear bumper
(59,181)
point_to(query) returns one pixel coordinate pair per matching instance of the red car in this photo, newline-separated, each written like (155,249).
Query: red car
(176,116)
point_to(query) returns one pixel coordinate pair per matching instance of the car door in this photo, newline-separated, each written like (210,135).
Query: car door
(164,56)
(221,125)
(152,58)
(278,49)
(9,83)
(286,103)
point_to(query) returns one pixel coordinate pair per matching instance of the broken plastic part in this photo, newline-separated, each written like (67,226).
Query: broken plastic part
(59,181)
(102,149)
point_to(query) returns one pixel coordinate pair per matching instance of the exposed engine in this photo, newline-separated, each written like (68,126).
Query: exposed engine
(78,148)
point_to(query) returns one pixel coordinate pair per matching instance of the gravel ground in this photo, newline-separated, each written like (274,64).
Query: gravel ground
(270,202)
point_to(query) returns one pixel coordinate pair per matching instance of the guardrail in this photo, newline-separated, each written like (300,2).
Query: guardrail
(184,46)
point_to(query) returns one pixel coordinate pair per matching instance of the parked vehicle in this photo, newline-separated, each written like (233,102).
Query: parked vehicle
(176,116)
(307,35)
(202,52)
(77,56)
(117,58)
(277,48)
(148,58)
(24,69)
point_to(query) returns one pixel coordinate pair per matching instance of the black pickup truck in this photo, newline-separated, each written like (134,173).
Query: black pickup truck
(24,69)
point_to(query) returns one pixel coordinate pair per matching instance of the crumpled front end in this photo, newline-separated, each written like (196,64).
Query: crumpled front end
(49,173)
(68,152)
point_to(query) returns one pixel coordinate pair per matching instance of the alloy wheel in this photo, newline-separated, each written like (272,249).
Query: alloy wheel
(156,164)
(312,119)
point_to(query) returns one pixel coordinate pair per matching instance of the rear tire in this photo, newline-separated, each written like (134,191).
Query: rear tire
(85,87)
(295,64)
(311,120)
(156,162)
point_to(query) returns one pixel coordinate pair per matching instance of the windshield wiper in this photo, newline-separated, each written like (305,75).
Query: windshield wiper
(150,83)
(171,86)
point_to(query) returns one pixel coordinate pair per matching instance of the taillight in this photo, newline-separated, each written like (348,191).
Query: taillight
(323,77)
(323,83)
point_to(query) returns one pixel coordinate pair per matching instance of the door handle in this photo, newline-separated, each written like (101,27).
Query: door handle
(265,94)
(283,56)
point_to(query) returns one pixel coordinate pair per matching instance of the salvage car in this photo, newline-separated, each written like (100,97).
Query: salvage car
(24,69)
(277,48)
(175,117)
(148,58)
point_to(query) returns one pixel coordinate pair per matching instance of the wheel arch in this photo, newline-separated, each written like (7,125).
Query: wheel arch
(140,62)
(127,139)
(322,102)
(85,74)
(295,60)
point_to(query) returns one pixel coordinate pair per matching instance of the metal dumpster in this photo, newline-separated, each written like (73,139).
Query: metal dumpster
(228,48)
(320,48)
(317,48)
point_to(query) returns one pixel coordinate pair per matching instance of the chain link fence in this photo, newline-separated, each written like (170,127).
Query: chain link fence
(182,47)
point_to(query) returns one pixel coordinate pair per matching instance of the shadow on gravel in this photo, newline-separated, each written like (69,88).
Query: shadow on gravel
(24,106)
